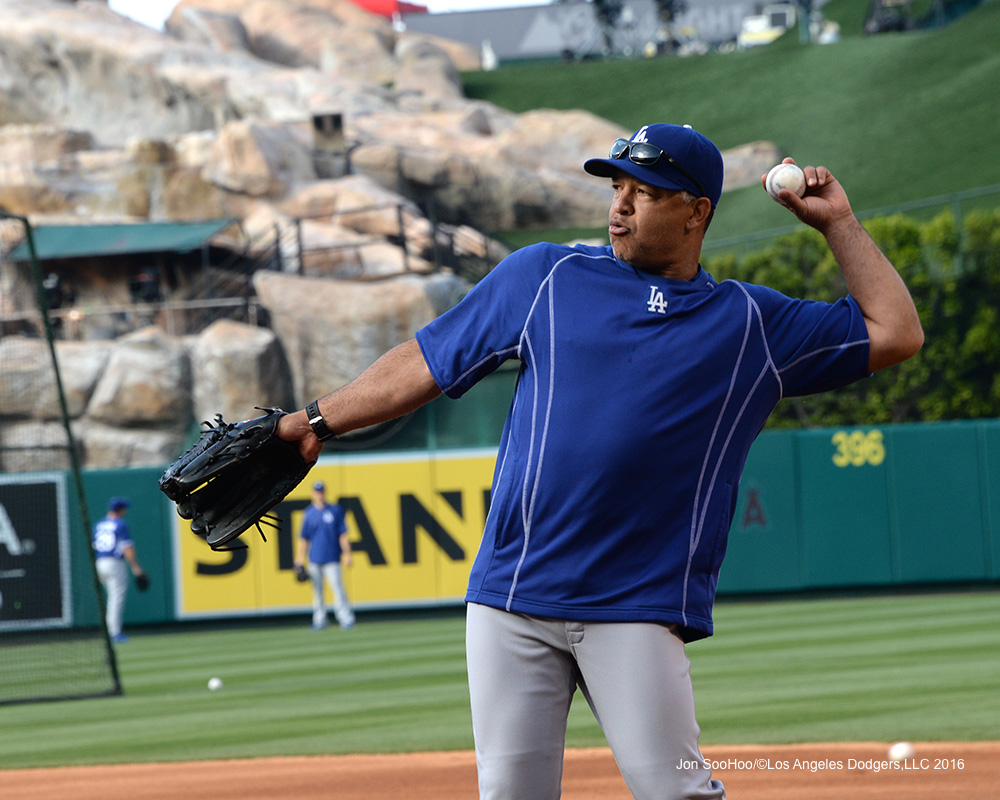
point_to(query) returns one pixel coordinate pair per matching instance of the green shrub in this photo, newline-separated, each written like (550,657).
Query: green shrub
(953,273)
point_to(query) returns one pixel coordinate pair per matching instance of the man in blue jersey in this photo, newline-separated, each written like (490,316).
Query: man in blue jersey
(323,538)
(643,382)
(114,553)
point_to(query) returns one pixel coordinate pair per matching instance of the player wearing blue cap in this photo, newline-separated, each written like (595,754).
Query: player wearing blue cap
(324,536)
(643,382)
(114,554)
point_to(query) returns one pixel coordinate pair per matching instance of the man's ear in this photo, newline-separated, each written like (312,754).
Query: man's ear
(701,214)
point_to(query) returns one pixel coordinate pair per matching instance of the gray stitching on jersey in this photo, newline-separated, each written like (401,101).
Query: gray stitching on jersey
(695,533)
(843,346)
(763,338)
(767,349)
(525,519)
(528,506)
(722,453)
(548,401)
(548,278)
(531,437)
(478,364)
(538,294)
(503,461)
(711,486)
(524,329)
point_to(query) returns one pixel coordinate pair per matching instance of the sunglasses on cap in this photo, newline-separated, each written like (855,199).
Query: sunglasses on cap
(645,155)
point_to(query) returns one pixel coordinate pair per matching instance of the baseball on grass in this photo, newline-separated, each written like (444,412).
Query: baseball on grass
(901,751)
(785,176)
(214,684)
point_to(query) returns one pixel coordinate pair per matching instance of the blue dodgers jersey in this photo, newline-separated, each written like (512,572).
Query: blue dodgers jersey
(637,401)
(111,537)
(321,527)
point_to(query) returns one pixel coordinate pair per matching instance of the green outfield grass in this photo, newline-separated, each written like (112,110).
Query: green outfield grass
(919,667)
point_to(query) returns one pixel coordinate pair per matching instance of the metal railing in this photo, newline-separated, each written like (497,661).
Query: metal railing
(112,321)
(224,291)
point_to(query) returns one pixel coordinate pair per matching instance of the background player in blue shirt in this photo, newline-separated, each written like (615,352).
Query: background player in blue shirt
(324,533)
(114,553)
(643,382)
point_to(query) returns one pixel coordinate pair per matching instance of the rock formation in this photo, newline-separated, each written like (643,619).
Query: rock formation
(343,144)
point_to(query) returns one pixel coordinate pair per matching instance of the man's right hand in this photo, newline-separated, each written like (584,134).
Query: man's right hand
(294,427)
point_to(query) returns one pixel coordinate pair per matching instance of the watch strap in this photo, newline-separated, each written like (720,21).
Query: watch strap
(317,423)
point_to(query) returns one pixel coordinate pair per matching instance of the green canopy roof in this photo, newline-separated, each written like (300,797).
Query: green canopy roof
(78,241)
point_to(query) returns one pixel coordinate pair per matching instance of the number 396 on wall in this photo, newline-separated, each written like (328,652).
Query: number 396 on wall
(857,448)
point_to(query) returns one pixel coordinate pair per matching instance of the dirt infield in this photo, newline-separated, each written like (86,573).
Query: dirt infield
(856,771)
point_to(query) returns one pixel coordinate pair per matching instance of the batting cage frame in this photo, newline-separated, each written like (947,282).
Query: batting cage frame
(44,654)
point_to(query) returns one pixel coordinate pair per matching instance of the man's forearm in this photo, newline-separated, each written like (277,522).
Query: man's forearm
(893,324)
(133,562)
(398,383)
(894,332)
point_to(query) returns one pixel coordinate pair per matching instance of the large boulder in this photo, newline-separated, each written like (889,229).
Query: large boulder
(426,69)
(28,386)
(146,382)
(235,367)
(81,365)
(33,446)
(109,447)
(332,330)
(257,157)
(33,436)
(337,37)
(83,66)
(27,381)
(38,144)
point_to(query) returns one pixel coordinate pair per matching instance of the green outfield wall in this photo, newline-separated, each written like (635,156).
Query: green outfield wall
(821,509)
(897,505)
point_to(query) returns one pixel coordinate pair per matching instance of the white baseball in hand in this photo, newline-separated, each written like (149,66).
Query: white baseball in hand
(785,176)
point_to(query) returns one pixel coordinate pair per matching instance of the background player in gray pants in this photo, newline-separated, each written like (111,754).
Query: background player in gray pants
(324,538)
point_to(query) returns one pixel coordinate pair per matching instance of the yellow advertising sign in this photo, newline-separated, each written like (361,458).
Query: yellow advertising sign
(414,522)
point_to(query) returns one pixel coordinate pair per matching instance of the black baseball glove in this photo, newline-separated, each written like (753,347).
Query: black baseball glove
(232,476)
(142,581)
(301,573)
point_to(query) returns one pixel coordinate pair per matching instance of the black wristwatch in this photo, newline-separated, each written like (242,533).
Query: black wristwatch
(317,423)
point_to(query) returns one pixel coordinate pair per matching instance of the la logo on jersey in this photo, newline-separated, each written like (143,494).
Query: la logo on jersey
(656,304)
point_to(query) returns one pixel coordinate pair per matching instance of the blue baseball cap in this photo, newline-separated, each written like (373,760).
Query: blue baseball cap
(318,486)
(668,156)
(117,504)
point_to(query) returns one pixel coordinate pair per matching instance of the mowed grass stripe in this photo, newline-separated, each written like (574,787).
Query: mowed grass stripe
(919,667)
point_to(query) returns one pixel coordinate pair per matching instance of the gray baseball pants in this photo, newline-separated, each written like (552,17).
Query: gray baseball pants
(523,672)
(341,605)
(113,574)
